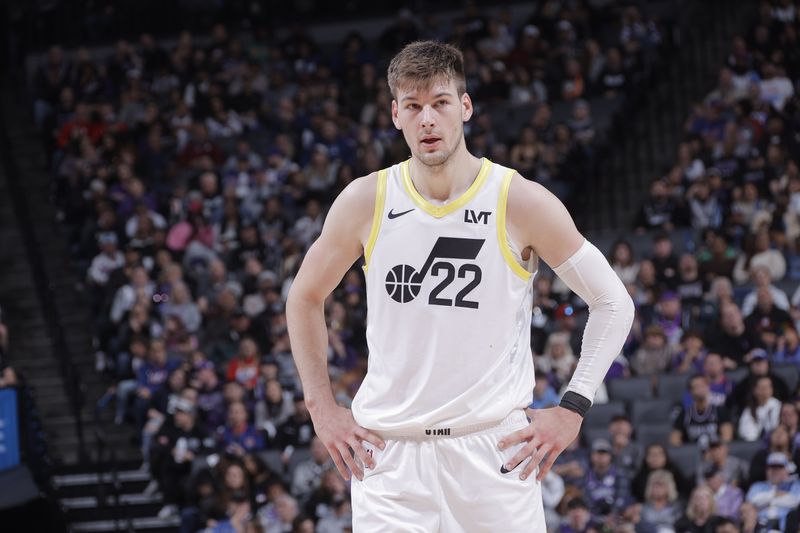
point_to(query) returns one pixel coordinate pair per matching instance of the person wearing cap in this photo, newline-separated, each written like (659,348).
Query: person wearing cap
(670,316)
(779,441)
(655,354)
(179,441)
(727,497)
(108,260)
(605,487)
(758,365)
(778,495)
(700,419)
(762,412)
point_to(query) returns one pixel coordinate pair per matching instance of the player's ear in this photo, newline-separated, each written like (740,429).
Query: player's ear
(396,120)
(466,107)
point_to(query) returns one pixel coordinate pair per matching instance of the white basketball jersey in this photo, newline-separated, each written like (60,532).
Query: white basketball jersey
(448,308)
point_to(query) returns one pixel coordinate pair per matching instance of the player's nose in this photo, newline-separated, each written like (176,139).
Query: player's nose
(426,117)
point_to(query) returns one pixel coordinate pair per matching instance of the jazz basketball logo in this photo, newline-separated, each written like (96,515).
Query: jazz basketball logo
(404,282)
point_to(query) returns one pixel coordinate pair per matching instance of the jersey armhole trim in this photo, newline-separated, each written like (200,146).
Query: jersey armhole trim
(502,234)
(377,216)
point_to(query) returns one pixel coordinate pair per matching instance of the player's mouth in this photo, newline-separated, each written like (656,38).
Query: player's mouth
(430,142)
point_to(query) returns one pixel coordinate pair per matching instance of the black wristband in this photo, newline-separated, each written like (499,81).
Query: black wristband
(576,403)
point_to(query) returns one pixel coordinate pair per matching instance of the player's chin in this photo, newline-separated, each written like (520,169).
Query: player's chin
(433,158)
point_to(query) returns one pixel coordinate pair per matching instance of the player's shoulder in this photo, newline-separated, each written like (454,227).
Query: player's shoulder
(526,193)
(361,190)
(354,206)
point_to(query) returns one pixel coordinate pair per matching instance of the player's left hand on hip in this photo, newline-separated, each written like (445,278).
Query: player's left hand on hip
(549,433)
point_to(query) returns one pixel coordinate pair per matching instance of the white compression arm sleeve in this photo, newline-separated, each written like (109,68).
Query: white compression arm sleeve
(611,311)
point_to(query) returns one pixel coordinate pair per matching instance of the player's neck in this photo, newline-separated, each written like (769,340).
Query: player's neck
(446,182)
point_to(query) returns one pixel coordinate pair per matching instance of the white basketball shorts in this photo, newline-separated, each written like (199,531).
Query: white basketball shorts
(448,484)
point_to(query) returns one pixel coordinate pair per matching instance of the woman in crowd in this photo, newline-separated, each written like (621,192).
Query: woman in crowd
(661,507)
(656,458)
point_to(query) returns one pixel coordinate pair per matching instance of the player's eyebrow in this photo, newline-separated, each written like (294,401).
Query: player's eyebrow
(437,95)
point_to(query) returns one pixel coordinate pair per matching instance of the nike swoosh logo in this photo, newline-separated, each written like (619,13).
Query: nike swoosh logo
(503,469)
(395,215)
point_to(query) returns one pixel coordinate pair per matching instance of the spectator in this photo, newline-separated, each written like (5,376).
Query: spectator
(762,412)
(306,477)
(665,261)
(238,436)
(298,430)
(656,458)
(152,377)
(655,354)
(578,517)
(700,420)
(727,497)
(273,404)
(622,261)
(661,508)
(734,471)
(779,441)
(286,511)
(243,368)
(717,259)
(748,517)
(730,338)
(787,349)
(544,395)
(325,499)
(108,260)
(761,278)
(174,449)
(758,367)
(767,320)
(700,512)
(721,386)
(558,358)
(605,487)
(776,496)
(761,255)
(627,453)
(658,210)
(181,307)
(691,358)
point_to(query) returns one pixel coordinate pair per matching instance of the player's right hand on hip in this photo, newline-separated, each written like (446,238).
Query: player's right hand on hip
(338,431)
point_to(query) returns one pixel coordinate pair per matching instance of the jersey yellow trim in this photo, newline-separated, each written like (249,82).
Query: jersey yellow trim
(439,211)
(377,215)
(502,234)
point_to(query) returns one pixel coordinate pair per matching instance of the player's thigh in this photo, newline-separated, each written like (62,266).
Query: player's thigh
(479,496)
(400,493)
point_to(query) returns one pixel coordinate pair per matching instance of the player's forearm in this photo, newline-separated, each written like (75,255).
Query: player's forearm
(611,311)
(309,338)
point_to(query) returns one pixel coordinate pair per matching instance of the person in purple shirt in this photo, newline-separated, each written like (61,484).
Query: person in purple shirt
(151,377)
(604,486)
(239,437)
(727,497)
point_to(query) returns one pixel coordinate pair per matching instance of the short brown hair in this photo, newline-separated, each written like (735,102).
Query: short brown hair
(424,62)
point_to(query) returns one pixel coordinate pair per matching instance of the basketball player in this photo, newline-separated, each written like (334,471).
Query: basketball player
(437,439)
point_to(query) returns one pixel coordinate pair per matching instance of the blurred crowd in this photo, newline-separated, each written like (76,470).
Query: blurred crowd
(191,176)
